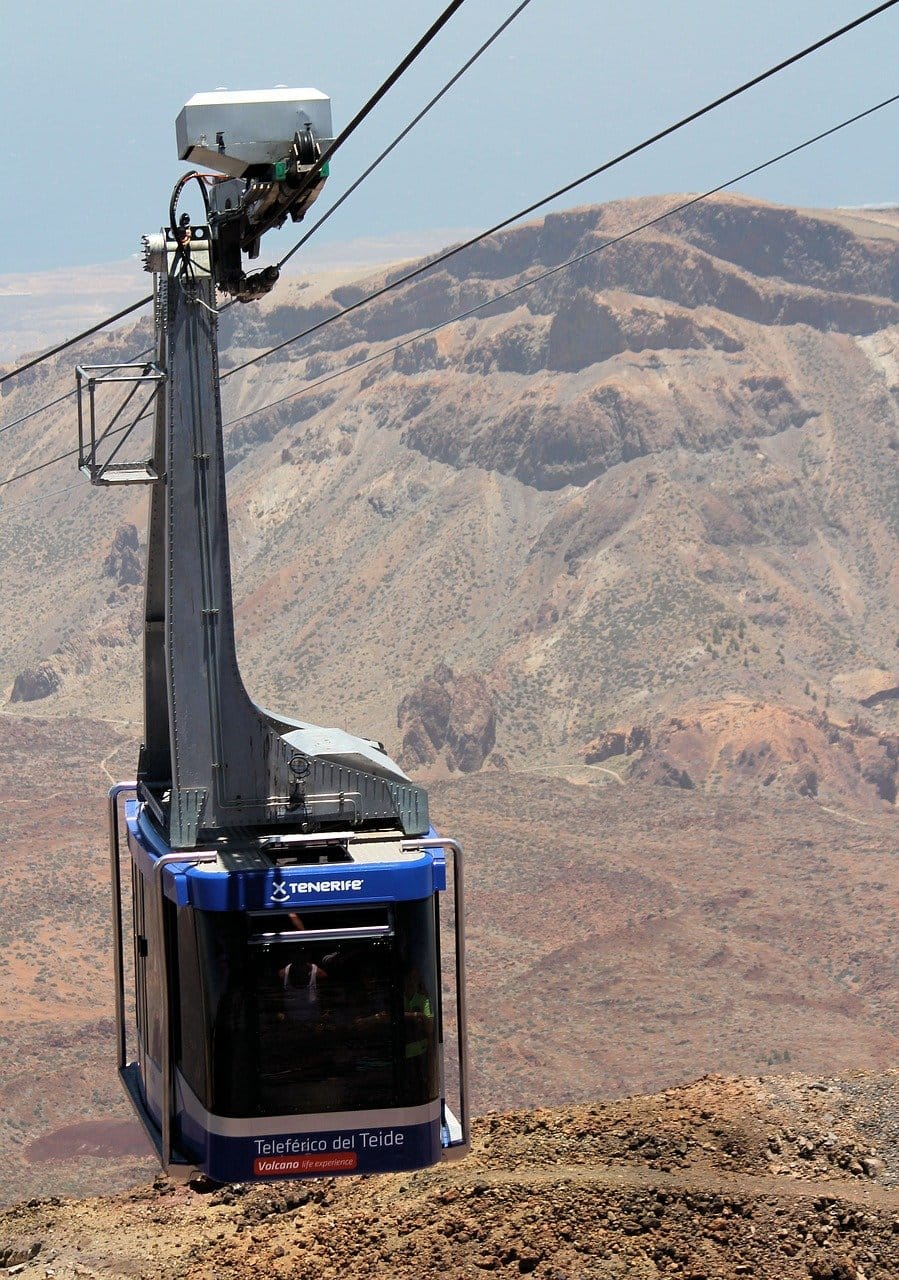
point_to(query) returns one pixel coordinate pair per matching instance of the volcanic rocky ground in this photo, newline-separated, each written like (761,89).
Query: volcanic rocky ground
(788,1178)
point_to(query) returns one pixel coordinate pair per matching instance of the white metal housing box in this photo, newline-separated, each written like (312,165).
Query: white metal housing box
(230,131)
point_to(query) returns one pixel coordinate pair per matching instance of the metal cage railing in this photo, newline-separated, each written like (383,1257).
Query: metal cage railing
(109,470)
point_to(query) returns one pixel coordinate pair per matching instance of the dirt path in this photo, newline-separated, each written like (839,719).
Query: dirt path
(702,1182)
(838,813)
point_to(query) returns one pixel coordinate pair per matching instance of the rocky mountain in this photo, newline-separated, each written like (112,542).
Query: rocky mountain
(658,485)
(611,563)
(450,721)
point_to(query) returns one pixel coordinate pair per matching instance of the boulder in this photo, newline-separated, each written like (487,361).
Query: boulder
(617,742)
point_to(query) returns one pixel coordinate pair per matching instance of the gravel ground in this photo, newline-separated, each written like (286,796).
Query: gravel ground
(783,1178)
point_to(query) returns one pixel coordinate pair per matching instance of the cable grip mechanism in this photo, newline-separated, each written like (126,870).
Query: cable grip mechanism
(268,147)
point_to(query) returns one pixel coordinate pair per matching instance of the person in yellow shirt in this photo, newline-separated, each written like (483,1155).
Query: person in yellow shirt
(419,1023)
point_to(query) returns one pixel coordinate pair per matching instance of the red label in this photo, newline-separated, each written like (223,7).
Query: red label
(283,1166)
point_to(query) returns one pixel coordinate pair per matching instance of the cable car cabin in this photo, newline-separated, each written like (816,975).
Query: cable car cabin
(285,877)
(288,1002)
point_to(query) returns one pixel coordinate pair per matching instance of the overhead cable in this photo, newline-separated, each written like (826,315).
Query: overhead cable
(70,342)
(564,190)
(349,191)
(32,413)
(314,173)
(489,302)
(400,136)
(41,466)
(67,395)
(564,266)
(70,453)
(522,213)
(309,181)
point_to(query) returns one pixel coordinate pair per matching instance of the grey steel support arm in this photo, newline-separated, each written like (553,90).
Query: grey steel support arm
(214,762)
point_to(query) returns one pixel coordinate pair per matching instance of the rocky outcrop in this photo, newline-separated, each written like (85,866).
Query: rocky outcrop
(760,747)
(418,357)
(646,266)
(250,434)
(448,720)
(35,683)
(720,1178)
(868,686)
(565,429)
(878,758)
(584,331)
(124,563)
(801,248)
(617,742)
(75,657)
(519,348)
(588,329)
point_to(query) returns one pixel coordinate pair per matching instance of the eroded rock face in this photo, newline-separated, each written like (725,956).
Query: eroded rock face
(760,746)
(449,720)
(35,683)
(869,686)
(584,331)
(879,762)
(123,563)
(617,742)
(588,329)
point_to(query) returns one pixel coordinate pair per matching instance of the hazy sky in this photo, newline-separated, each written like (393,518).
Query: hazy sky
(89,95)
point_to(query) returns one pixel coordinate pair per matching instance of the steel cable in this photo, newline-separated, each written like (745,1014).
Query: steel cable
(400,136)
(360,115)
(463,315)
(564,190)
(527,284)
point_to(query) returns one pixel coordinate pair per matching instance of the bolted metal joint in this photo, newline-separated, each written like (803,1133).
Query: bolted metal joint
(153,251)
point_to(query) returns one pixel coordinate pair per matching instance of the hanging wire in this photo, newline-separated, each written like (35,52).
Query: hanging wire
(564,266)
(79,337)
(309,181)
(314,174)
(456,249)
(564,190)
(400,136)
(463,315)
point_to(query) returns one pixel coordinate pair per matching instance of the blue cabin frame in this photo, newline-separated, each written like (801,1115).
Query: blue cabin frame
(289,1017)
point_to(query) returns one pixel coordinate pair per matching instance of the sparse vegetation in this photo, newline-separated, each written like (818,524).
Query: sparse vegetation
(595,541)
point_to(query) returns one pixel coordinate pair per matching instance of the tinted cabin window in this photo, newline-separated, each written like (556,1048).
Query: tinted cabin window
(327,1026)
(191,1053)
(140,942)
(149,992)
(326,1011)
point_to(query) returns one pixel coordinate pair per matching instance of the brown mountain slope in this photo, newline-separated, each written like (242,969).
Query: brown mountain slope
(621,938)
(738,743)
(783,1179)
(655,494)
(667,471)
